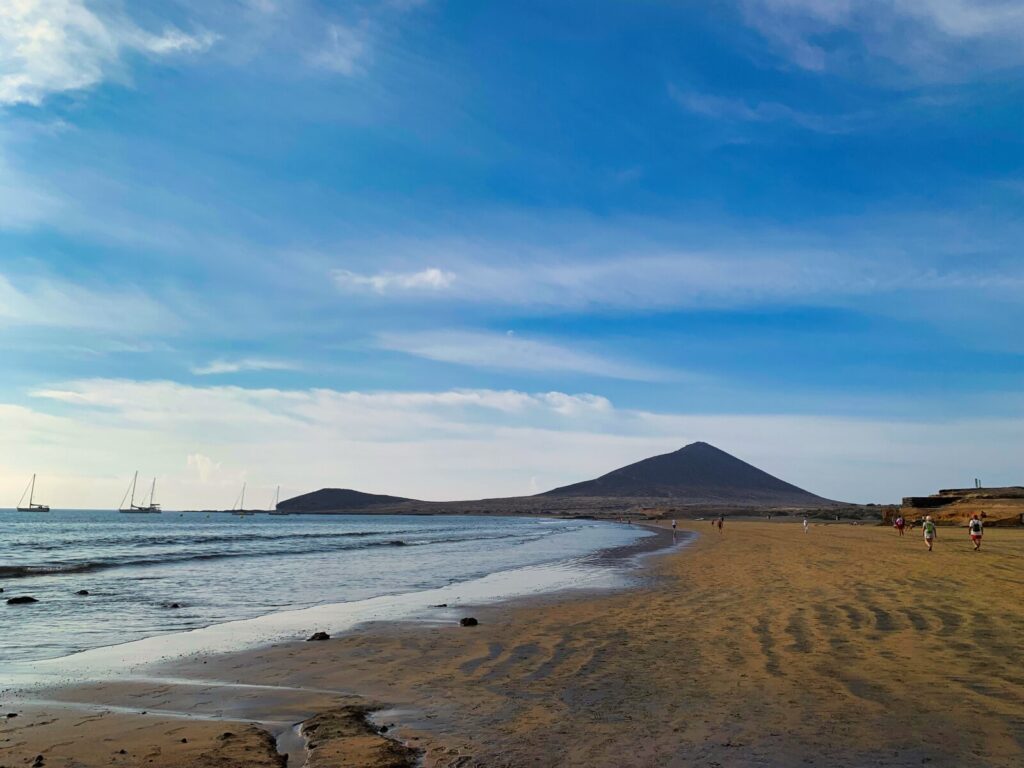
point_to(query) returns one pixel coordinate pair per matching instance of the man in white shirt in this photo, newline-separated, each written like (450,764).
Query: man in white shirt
(975,528)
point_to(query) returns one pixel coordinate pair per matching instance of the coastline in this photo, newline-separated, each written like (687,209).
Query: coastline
(762,646)
(602,569)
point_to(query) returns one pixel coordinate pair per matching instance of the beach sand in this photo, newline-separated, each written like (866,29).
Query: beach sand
(763,646)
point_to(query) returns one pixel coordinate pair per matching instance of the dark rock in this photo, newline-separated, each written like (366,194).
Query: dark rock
(440,605)
(383,729)
(122,751)
(184,741)
(82,592)
(398,543)
(174,605)
(12,714)
(21,600)
(226,735)
(40,760)
(318,636)
(338,500)
(468,621)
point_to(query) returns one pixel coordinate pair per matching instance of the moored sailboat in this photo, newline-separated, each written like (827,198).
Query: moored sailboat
(273,509)
(133,508)
(32,506)
(239,507)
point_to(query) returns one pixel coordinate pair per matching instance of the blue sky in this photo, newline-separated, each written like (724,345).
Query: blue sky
(458,249)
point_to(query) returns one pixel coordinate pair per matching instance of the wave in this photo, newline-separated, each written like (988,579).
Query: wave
(21,571)
(192,539)
(59,569)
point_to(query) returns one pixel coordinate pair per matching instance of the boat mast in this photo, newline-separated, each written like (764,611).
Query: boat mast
(32,493)
(152,492)
(277,496)
(241,507)
(134,480)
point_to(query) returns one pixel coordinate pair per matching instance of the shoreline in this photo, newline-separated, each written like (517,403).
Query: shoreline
(603,569)
(357,709)
(759,646)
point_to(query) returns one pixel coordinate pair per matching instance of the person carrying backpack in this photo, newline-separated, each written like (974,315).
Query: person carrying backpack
(975,528)
(930,533)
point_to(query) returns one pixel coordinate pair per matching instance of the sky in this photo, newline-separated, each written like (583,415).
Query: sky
(454,250)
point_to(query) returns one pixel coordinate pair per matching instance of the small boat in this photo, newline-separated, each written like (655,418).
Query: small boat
(239,506)
(273,509)
(139,509)
(32,506)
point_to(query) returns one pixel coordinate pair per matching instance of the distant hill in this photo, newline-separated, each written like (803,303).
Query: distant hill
(698,473)
(338,500)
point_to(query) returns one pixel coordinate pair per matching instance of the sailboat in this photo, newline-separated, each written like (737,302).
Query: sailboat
(273,509)
(32,506)
(239,508)
(137,509)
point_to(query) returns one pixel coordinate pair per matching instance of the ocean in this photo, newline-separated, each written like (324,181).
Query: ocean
(207,582)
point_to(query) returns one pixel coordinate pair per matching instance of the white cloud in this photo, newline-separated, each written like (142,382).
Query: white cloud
(430,279)
(49,302)
(220,366)
(175,41)
(725,108)
(450,444)
(344,50)
(23,202)
(511,352)
(206,469)
(733,273)
(930,39)
(56,46)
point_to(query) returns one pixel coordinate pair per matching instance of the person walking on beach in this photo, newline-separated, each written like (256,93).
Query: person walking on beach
(721,521)
(975,528)
(806,525)
(899,524)
(929,532)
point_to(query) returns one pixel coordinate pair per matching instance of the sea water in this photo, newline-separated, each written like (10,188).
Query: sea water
(241,580)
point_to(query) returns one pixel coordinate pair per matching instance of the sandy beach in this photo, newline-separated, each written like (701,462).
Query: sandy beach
(762,646)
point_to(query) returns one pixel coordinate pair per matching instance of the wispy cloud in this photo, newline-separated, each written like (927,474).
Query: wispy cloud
(430,279)
(770,268)
(56,46)
(344,49)
(221,366)
(929,39)
(738,110)
(511,352)
(55,303)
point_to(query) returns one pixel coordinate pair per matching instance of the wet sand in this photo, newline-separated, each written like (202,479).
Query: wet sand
(764,646)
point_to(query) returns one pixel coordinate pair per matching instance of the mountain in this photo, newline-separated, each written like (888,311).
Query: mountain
(338,500)
(698,473)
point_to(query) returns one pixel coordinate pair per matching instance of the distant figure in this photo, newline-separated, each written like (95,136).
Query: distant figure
(899,524)
(975,528)
(806,525)
(929,532)
(721,521)
(673,526)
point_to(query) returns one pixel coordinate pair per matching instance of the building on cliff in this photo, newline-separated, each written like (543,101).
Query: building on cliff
(954,506)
